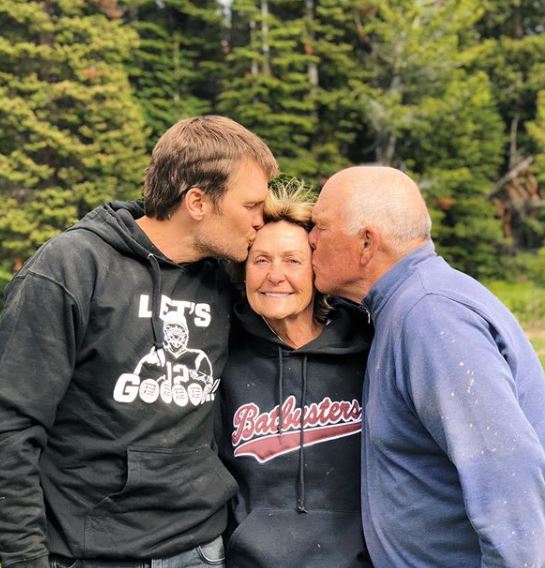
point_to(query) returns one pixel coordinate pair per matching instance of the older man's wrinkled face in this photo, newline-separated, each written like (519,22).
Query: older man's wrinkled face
(336,256)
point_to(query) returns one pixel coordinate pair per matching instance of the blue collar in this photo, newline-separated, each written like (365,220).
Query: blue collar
(391,280)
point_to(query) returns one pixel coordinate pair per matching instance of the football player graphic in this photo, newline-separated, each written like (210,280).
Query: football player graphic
(175,373)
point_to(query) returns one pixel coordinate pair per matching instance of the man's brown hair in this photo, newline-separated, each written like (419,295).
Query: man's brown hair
(202,152)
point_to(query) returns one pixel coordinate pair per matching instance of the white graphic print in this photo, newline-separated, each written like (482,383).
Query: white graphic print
(200,313)
(174,374)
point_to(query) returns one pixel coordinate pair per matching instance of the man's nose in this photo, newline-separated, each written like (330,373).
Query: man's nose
(257,220)
(312,238)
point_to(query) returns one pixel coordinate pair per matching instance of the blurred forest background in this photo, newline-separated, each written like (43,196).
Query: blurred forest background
(451,91)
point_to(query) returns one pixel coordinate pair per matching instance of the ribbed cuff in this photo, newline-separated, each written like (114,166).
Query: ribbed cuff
(39,562)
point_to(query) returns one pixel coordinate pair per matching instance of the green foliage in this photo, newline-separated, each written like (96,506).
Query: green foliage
(527,267)
(537,338)
(512,18)
(512,53)
(455,149)
(536,130)
(524,299)
(5,276)
(414,60)
(70,135)
(176,67)
(451,91)
(527,302)
(268,86)
(428,112)
(470,237)
(329,83)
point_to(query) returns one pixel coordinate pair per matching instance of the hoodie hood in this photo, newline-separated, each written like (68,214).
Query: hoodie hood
(115,223)
(343,334)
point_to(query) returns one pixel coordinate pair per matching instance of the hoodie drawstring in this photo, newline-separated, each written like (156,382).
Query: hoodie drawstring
(301,473)
(301,477)
(156,324)
(280,390)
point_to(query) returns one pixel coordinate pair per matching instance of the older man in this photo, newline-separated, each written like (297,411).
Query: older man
(454,425)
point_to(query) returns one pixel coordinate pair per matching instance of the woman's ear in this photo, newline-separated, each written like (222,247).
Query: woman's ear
(196,203)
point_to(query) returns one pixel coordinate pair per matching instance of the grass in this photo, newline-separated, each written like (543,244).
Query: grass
(527,302)
(537,337)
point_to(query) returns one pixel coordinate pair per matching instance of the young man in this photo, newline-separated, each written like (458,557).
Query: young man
(453,425)
(112,343)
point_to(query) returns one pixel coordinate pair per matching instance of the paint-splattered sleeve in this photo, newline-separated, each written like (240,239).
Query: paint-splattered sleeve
(464,392)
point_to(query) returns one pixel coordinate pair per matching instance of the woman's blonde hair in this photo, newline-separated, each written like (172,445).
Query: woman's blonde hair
(292,201)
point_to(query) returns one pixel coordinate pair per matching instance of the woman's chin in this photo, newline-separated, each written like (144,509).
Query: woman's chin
(276,315)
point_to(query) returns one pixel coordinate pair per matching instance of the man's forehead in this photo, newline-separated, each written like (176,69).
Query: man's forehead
(317,210)
(325,205)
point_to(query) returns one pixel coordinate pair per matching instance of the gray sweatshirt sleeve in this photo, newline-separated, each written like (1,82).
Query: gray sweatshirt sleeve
(37,356)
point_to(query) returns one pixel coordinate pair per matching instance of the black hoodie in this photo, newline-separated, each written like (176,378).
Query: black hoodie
(110,356)
(299,499)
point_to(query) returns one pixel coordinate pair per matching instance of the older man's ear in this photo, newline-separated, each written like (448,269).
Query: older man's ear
(370,240)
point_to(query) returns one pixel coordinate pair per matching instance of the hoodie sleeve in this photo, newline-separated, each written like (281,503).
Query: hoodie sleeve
(463,391)
(37,354)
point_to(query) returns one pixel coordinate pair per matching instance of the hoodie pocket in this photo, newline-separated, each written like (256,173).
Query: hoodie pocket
(166,495)
(320,539)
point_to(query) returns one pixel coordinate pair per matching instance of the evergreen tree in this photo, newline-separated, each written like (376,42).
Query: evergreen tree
(328,83)
(426,112)
(70,135)
(512,52)
(292,65)
(269,86)
(176,70)
(342,48)
(536,130)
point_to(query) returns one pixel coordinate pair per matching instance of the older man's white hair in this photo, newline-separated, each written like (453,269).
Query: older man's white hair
(386,199)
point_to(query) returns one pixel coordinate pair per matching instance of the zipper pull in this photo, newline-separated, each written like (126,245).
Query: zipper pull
(364,308)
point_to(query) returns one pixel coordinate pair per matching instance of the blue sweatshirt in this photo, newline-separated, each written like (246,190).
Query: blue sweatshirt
(453,460)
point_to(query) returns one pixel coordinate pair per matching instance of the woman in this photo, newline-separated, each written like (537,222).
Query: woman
(299,480)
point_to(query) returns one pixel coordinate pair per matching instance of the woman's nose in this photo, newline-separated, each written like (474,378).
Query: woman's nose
(275,275)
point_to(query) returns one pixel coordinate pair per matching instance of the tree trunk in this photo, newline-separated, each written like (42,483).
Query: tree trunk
(513,151)
(254,68)
(309,45)
(265,37)
(518,28)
